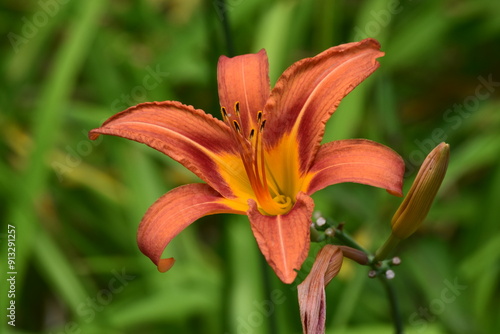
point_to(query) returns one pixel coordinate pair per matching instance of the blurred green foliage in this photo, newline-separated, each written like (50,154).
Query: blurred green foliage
(68,65)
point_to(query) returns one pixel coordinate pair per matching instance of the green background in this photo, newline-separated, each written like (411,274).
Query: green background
(66,66)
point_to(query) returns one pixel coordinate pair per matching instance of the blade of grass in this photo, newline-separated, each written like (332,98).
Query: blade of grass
(58,270)
(247,289)
(273,35)
(22,62)
(422,32)
(46,124)
(348,300)
(477,152)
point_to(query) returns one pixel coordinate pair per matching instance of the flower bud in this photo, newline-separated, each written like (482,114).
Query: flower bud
(412,212)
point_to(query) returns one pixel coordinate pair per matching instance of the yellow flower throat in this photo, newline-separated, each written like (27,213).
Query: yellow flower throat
(269,197)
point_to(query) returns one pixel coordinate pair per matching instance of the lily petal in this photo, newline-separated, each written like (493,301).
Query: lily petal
(309,91)
(356,160)
(244,79)
(196,140)
(172,213)
(311,292)
(284,239)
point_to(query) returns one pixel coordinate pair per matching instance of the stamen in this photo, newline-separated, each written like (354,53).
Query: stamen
(259,117)
(262,126)
(252,153)
(237,108)
(236,126)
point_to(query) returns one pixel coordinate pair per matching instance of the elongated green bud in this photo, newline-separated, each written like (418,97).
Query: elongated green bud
(412,212)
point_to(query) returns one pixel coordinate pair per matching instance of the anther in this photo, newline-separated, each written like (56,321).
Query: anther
(237,108)
(252,133)
(262,125)
(259,116)
(236,126)
(224,112)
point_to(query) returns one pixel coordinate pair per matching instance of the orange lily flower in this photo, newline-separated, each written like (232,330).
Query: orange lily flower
(264,159)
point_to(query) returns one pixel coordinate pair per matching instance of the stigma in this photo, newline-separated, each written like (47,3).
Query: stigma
(268,196)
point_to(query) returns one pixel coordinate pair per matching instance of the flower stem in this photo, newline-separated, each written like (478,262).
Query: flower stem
(383,252)
(223,9)
(394,305)
(379,262)
(347,240)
